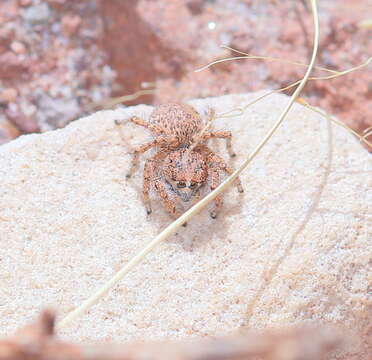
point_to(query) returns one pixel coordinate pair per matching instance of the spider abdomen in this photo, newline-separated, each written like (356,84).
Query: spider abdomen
(176,119)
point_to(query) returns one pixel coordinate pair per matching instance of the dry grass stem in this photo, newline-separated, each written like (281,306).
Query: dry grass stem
(108,104)
(258,57)
(362,138)
(211,117)
(329,117)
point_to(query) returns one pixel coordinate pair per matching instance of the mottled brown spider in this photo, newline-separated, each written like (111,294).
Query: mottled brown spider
(183,163)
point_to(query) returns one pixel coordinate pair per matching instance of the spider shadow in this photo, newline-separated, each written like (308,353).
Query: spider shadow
(202,228)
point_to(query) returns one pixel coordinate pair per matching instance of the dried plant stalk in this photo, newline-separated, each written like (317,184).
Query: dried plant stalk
(37,342)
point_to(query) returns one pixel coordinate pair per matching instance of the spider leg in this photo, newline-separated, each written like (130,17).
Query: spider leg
(169,202)
(135,120)
(216,161)
(215,181)
(149,172)
(147,177)
(141,149)
(158,141)
(223,166)
(221,135)
(136,153)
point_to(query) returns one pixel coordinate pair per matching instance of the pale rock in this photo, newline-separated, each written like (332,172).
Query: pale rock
(296,247)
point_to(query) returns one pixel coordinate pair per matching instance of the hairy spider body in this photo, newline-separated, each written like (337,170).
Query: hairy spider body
(183,163)
(178,122)
(185,171)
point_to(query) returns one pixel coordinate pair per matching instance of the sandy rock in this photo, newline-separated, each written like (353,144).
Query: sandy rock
(293,248)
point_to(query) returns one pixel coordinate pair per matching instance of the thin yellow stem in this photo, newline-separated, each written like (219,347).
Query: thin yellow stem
(259,57)
(211,117)
(108,104)
(341,73)
(328,117)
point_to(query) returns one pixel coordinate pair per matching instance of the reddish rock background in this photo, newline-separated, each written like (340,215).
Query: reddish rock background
(57,57)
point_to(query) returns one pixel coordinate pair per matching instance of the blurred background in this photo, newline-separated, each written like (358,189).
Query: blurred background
(62,59)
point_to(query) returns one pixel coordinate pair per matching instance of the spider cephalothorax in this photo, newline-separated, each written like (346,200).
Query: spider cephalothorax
(185,171)
(183,163)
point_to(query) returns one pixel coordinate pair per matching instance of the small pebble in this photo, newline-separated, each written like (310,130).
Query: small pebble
(17,47)
(70,24)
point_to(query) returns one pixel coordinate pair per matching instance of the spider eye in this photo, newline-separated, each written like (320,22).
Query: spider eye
(192,185)
(181,184)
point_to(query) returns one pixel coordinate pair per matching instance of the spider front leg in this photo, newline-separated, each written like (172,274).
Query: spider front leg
(169,202)
(136,153)
(217,164)
(222,135)
(216,161)
(141,149)
(158,141)
(149,172)
(220,163)
(152,175)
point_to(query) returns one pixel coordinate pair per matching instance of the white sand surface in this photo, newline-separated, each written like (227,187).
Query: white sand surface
(295,247)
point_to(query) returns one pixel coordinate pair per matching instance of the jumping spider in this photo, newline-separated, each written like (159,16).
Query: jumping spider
(183,163)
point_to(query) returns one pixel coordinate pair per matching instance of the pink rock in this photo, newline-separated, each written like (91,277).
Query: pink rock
(70,24)
(26,124)
(6,35)
(7,131)
(8,9)
(10,66)
(25,2)
(8,95)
